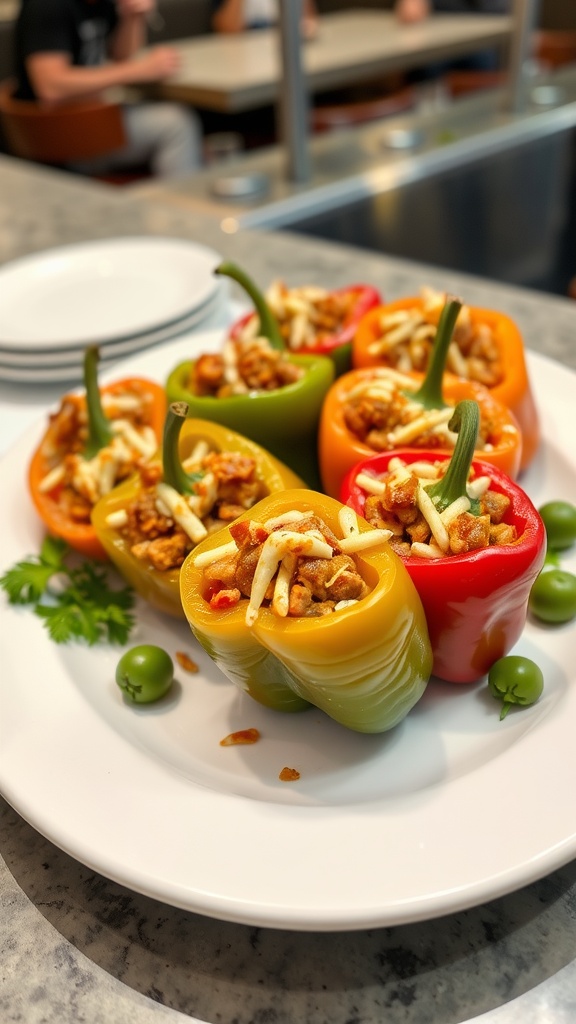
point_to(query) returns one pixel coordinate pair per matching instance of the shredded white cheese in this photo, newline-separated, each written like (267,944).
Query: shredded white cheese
(370,484)
(432,517)
(182,513)
(364,541)
(215,554)
(117,519)
(281,598)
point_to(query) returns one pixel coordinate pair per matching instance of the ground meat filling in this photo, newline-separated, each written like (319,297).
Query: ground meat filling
(243,367)
(306,316)
(76,483)
(380,413)
(394,502)
(296,567)
(408,335)
(156,532)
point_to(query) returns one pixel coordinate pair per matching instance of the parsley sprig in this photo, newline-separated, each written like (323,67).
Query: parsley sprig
(73,598)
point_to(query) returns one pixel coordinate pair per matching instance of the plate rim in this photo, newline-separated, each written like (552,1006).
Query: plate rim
(25,263)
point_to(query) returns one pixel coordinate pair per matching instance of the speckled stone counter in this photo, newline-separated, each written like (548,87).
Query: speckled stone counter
(78,947)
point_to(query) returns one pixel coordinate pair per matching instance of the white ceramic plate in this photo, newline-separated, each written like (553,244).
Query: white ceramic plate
(100,291)
(449,810)
(215,312)
(34,362)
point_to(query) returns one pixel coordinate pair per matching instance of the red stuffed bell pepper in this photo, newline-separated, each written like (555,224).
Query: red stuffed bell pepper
(476,599)
(313,320)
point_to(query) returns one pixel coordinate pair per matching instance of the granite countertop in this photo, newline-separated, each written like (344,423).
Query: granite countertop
(78,947)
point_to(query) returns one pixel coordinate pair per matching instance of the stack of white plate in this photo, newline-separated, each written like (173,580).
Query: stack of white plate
(122,294)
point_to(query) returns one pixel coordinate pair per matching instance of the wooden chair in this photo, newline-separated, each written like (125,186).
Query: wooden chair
(550,49)
(553,49)
(326,118)
(62,135)
(459,83)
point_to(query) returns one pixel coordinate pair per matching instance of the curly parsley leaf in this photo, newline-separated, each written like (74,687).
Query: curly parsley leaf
(82,606)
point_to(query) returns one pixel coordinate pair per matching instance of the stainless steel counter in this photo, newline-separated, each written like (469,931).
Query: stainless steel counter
(468,184)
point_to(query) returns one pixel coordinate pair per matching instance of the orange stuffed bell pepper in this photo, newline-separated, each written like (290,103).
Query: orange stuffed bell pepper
(93,441)
(207,475)
(486,347)
(302,603)
(379,409)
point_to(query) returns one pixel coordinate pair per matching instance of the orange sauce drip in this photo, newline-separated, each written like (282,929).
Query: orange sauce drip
(242,736)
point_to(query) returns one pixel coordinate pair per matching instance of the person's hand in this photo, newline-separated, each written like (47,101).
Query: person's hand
(158,63)
(412,10)
(309,27)
(128,8)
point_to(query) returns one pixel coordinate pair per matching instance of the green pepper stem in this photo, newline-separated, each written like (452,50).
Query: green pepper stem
(429,394)
(466,421)
(99,430)
(174,473)
(269,327)
(507,704)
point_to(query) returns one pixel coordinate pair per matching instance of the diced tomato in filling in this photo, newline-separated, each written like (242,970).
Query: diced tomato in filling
(223,599)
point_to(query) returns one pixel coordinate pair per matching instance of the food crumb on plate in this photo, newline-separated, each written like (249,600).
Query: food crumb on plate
(289,775)
(185,662)
(242,736)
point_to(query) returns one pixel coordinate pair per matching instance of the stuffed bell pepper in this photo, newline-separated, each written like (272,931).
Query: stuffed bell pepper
(313,320)
(301,603)
(203,479)
(470,538)
(260,389)
(95,440)
(380,409)
(486,347)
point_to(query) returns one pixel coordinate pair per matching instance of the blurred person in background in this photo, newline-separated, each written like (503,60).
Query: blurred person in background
(73,50)
(258,127)
(417,10)
(411,11)
(237,15)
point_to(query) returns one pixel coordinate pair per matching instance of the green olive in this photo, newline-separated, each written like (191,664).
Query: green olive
(559,518)
(515,680)
(553,596)
(145,673)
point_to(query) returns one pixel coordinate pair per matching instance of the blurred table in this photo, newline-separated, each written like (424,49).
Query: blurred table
(240,72)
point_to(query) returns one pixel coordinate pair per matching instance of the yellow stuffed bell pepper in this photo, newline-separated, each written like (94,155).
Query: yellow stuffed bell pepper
(214,471)
(361,653)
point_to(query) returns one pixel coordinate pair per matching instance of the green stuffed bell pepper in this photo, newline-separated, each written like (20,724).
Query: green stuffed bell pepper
(260,389)
(206,477)
(301,603)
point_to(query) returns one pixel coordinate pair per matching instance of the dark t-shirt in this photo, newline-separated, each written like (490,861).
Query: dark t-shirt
(79,28)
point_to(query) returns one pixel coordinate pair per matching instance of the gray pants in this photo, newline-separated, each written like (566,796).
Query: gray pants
(166,137)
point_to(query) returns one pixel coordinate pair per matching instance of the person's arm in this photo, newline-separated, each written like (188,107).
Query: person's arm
(56,80)
(130,33)
(412,10)
(229,17)
(309,19)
